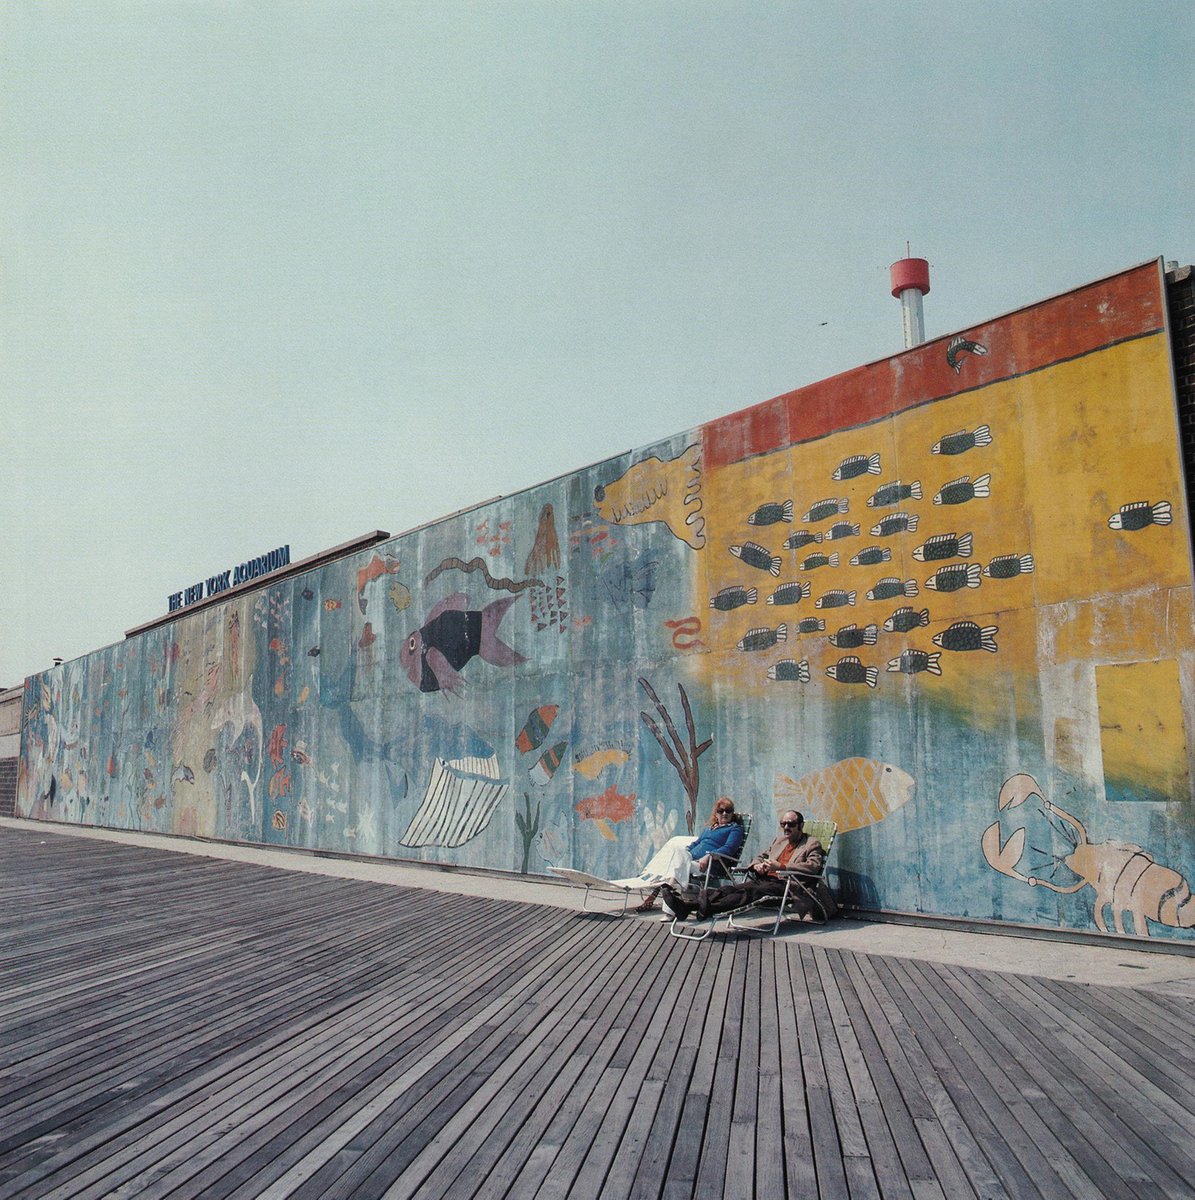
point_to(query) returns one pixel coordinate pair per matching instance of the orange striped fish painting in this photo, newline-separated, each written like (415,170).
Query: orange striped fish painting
(538,722)
(853,793)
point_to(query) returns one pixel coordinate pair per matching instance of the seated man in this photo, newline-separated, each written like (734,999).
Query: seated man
(793,850)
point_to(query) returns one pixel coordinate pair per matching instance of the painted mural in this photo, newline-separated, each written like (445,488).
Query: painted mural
(884,599)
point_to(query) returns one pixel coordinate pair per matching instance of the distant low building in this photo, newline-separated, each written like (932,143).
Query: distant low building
(10,747)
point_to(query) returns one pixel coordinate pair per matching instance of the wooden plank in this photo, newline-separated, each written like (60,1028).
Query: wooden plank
(1159,1027)
(949,1145)
(883,1068)
(880,1139)
(768,1151)
(179,1062)
(673,1066)
(189,1119)
(595,1029)
(576,1092)
(739,1165)
(734,1055)
(798,1169)
(1137,1142)
(335,1144)
(612,1160)
(1053,1170)
(933,1041)
(304,1075)
(1123,1024)
(1019,1060)
(687,1147)
(861,1178)
(193,993)
(823,1073)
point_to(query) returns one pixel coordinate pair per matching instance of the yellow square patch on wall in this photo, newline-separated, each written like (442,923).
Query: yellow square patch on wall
(1141,731)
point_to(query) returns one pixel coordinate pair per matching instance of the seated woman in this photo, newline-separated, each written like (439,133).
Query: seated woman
(680,856)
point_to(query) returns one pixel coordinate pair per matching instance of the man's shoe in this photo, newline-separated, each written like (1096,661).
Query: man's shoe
(673,901)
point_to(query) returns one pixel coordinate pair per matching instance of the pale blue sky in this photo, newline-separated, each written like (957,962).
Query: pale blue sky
(284,272)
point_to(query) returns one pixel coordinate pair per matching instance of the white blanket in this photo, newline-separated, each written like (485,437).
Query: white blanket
(672,864)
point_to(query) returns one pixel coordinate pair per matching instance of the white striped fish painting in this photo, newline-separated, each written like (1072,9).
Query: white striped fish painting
(460,799)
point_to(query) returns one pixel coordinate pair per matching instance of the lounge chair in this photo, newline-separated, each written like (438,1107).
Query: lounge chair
(718,871)
(721,867)
(594,883)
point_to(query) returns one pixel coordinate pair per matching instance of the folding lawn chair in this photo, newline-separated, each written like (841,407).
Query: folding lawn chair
(721,867)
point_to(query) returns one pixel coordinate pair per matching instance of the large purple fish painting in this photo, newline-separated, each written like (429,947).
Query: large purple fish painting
(451,636)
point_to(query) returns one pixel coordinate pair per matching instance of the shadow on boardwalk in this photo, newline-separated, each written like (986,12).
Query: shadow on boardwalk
(181,1026)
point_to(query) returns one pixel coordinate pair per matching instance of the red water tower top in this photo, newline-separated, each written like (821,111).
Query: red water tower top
(910,273)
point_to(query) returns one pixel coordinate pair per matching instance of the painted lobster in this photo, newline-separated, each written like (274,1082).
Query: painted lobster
(1126,879)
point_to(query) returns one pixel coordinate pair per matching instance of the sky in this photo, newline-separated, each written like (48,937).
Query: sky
(281,273)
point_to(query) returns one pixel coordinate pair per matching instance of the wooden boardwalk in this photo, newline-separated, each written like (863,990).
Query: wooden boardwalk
(180,1026)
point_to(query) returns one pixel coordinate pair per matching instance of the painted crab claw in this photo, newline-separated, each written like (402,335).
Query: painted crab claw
(1017,790)
(1004,858)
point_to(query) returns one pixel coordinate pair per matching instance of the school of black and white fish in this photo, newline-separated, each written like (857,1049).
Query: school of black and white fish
(948,552)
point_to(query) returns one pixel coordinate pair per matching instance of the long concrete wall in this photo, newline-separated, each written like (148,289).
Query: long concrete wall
(944,600)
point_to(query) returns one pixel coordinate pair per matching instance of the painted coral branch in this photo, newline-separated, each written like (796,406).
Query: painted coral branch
(528,828)
(682,757)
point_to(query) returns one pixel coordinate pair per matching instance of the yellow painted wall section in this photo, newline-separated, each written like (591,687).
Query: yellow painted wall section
(1141,727)
(1095,439)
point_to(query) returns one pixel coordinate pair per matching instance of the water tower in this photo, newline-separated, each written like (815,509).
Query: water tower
(910,281)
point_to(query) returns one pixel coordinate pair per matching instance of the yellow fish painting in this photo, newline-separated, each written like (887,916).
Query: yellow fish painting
(853,793)
(592,765)
(654,490)
(400,596)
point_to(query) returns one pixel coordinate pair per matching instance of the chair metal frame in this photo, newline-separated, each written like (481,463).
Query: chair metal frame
(591,883)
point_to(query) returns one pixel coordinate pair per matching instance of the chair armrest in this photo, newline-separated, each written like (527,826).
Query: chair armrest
(800,875)
(718,866)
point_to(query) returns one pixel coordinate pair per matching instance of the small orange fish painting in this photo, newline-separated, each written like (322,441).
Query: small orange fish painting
(608,808)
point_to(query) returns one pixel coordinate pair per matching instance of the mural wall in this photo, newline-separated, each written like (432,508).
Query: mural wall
(944,600)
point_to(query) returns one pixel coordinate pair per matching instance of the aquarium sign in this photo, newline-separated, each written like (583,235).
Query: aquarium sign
(246,572)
